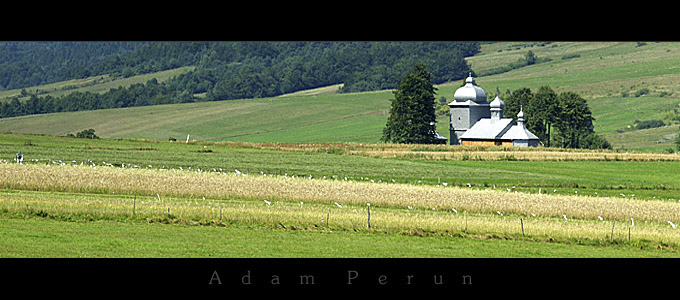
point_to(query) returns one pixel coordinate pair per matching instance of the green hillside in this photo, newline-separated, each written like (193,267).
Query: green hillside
(322,118)
(623,82)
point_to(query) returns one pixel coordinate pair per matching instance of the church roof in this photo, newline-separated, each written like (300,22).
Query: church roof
(470,91)
(519,132)
(488,129)
(497,103)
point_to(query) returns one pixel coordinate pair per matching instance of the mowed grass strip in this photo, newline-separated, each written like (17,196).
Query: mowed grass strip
(46,238)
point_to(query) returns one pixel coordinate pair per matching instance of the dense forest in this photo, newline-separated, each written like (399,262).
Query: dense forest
(224,70)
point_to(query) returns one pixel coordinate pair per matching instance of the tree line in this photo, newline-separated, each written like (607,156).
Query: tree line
(151,93)
(558,120)
(223,70)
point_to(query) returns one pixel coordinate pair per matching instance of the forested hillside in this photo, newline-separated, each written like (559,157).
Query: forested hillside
(24,64)
(224,70)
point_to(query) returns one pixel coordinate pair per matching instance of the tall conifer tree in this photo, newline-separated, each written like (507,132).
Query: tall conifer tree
(412,114)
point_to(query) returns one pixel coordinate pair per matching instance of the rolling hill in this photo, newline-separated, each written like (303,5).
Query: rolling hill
(624,82)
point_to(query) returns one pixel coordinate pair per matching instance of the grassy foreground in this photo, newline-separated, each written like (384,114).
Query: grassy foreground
(107,197)
(189,199)
(44,237)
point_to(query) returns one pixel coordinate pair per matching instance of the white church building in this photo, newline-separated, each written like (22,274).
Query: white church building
(474,121)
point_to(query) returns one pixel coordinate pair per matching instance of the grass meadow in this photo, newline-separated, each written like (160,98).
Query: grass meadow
(536,208)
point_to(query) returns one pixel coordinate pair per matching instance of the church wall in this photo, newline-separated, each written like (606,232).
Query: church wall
(495,143)
(463,116)
(480,143)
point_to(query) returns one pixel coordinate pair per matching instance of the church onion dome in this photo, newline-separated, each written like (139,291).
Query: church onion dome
(520,115)
(497,103)
(470,91)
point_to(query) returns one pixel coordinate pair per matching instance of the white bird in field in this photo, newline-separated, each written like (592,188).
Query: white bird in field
(533,214)
(500,213)
(409,207)
(565,217)
(622,195)
(632,222)
(368,204)
(301,203)
(555,191)
(268,203)
(672,225)
(159,198)
(237,172)
(340,206)
(539,191)
(454,210)
(601,219)
(575,192)
(469,185)
(508,189)
(444,183)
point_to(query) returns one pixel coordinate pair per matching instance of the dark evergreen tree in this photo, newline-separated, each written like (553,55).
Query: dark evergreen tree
(518,99)
(412,113)
(542,110)
(573,120)
(530,58)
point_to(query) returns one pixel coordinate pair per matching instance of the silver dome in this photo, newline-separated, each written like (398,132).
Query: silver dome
(497,103)
(470,91)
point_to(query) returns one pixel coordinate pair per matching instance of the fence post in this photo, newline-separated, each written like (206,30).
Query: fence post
(465,214)
(369,215)
(522,222)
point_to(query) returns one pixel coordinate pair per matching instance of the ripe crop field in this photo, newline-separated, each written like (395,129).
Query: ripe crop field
(625,207)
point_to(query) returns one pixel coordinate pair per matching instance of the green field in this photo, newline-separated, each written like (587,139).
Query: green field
(608,178)
(112,239)
(203,210)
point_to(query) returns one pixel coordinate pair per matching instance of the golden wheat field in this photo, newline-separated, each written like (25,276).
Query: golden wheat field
(315,203)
